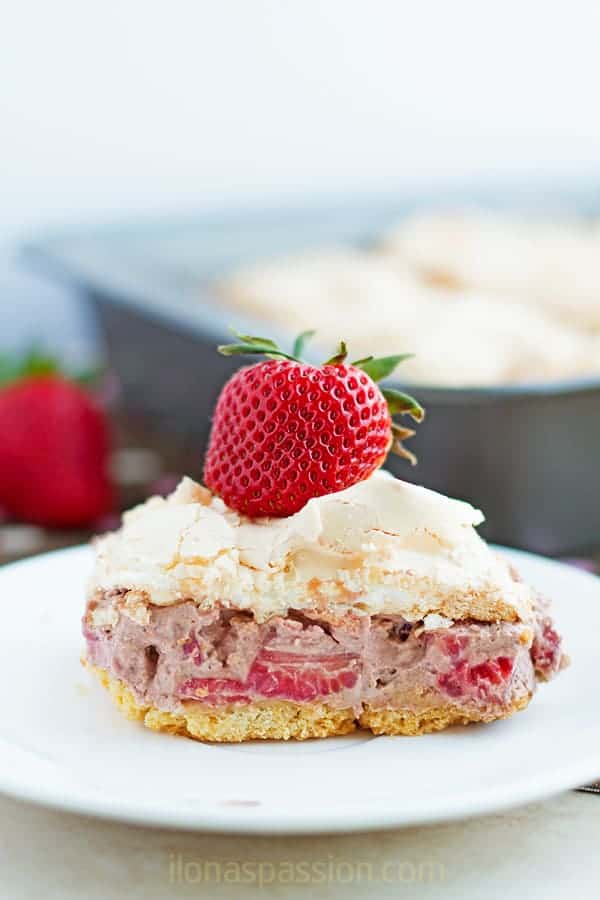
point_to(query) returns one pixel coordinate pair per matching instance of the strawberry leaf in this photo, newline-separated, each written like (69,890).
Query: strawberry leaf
(382,367)
(8,369)
(359,363)
(254,340)
(404,404)
(253,350)
(300,341)
(252,345)
(33,364)
(36,363)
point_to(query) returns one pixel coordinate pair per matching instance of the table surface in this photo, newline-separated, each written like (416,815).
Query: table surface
(547,850)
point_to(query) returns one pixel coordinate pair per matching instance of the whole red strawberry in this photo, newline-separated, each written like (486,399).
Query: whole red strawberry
(285,431)
(53,453)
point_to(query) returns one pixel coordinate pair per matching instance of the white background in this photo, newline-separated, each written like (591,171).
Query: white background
(112,108)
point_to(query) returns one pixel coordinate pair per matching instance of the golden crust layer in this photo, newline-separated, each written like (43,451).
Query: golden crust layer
(282,720)
(390,721)
(267,720)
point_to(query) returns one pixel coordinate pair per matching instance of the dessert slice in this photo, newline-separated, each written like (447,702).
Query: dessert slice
(307,592)
(376,606)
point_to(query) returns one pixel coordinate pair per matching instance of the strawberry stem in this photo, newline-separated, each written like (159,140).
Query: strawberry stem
(340,356)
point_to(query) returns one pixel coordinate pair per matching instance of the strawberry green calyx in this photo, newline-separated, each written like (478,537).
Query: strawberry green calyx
(403,404)
(300,341)
(339,357)
(400,434)
(36,363)
(255,346)
(376,368)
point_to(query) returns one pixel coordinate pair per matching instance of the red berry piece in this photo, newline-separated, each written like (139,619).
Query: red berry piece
(454,682)
(546,651)
(476,681)
(282,676)
(285,431)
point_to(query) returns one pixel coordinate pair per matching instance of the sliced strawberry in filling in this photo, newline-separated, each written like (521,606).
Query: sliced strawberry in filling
(478,681)
(546,650)
(285,676)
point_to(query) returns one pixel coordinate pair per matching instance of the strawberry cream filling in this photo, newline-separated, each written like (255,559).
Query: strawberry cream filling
(219,657)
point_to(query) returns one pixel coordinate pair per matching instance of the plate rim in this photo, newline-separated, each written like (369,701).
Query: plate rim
(252,821)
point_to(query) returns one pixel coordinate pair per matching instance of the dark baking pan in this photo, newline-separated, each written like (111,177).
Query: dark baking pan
(528,455)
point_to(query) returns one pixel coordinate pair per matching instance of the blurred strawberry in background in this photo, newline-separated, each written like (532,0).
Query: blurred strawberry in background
(54,447)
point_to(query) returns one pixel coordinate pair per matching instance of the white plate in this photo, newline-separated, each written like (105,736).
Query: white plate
(63,744)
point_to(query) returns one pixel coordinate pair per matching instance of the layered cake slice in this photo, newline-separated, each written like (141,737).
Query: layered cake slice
(377,606)
(307,592)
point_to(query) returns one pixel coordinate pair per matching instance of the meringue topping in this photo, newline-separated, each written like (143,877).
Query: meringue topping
(382,545)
